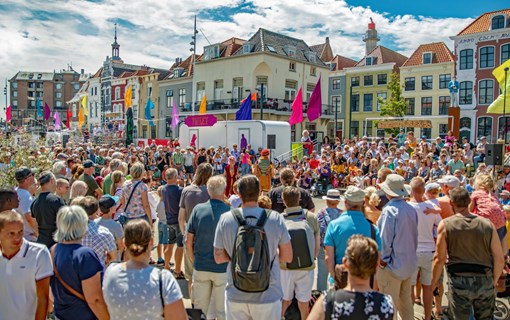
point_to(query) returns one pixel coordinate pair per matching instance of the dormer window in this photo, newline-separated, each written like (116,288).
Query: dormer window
(247,47)
(212,52)
(39,76)
(370,61)
(427,57)
(177,72)
(311,56)
(498,22)
(290,51)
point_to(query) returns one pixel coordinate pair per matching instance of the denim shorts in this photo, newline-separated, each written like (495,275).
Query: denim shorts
(163,233)
(175,235)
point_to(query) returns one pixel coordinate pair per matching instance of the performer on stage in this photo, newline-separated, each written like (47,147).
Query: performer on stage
(307,142)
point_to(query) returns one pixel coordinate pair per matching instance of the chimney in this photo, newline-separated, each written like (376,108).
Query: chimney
(327,40)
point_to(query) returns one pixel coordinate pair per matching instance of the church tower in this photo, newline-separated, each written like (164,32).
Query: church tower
(370,37)
(115,47)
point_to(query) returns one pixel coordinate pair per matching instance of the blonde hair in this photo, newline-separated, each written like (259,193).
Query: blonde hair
(137,170)
(485,182)
(362,256)
(372,196)
(116,178)
(506,208)
(264,202)
(72,223)
(137,236)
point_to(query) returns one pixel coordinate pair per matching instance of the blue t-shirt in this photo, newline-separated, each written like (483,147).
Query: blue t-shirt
(171,195)
(341,229)
(74,263)
(202,223)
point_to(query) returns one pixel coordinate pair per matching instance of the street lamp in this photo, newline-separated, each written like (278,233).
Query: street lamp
(336,116)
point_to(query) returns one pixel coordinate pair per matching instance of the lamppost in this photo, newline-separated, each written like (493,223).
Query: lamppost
(504,104)
(336,116)
(5,108)
(261,101)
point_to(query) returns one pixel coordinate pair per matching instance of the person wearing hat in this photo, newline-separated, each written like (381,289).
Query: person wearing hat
(398,225)
(108,205)
(480,150)
(27,185)
(349,223)
(324,217)
(93,188)
(447,183)
(504,197)
(264,170)
(45,207)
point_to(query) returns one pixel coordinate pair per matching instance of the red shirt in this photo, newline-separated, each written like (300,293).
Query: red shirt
(314,163)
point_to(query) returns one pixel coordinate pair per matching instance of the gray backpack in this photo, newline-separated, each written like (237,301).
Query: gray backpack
(251,264)
(301,239)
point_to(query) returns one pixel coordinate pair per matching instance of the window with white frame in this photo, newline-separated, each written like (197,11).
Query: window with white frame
(117,93)
(485,91)
(380,96)
(290,89)
(292,66)
(505,53)
(336,102)
(486,57)
(498,22)
(336,83)
(427,57)
(182,96)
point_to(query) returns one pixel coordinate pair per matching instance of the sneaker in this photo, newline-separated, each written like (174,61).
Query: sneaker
(160,261)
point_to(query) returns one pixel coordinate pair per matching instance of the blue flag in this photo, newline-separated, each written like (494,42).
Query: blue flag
(148,107)
(38,107)
(244,112)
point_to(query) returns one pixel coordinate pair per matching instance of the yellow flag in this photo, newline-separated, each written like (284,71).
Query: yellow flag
(203,105)
(499,73)
(128,97)
(81,119)
(84,105)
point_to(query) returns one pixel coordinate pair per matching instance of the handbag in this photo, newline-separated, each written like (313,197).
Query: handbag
(123,219)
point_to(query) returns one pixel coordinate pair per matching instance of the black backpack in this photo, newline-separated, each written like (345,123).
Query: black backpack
(251,264)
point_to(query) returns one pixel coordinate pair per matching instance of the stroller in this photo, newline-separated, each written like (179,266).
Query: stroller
(502,310)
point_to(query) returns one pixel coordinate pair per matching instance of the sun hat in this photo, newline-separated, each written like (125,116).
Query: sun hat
(394,186)
(505,193)
(450,181)
(264,152)
(333,195)
(354,194)
(432,186)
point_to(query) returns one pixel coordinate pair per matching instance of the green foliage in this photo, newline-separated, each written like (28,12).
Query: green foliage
(20,148)
(395,105)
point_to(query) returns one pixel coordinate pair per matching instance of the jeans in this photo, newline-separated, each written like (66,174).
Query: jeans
(322,271)
(477,159)
(245,169)
(471,294)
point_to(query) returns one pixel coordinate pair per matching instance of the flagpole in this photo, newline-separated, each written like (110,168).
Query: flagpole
(5,109)
(194,49)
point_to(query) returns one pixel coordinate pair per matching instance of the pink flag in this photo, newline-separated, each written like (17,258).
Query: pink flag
(56,116)
(297,109)
(8,113)
(175,116)
(47,112)
(315,102)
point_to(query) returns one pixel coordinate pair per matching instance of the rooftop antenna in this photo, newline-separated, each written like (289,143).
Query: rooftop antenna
(202,32)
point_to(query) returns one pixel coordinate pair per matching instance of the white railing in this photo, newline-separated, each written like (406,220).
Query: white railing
(284,157)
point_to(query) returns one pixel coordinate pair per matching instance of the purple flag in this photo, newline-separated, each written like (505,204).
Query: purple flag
(175,116)
(315,102)
(47,112)
(244,112)
(56,116)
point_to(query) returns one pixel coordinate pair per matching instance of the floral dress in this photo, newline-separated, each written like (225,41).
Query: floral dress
(135,207)
(345,304)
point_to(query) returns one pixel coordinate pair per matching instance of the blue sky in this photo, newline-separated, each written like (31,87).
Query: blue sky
(47,35)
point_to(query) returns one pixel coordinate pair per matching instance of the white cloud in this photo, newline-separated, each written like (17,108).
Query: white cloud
(163,29)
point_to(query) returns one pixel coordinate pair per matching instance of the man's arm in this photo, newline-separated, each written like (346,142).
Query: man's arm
(32,222)
(221,256)
(182,220)
(497,255)
(386,225)
(99,192)
(189,241)
(440,254)
(43,293)
(285,252)
(330,259)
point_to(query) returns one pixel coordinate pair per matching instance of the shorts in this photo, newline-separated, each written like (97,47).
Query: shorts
(297,283)
(424,267)
(163,233)
(188,169)
(175,235)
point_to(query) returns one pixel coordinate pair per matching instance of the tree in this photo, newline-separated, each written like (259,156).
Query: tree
(395,105)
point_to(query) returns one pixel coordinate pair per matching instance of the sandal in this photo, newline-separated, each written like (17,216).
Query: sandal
(179,276)
(417,300)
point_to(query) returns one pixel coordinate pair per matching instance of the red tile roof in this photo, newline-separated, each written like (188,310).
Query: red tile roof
(440,51)
(342,62)
(482,23)
(228,47)
(384,55)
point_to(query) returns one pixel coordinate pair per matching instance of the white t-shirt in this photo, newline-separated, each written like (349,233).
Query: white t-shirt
(25,201)
(427,224)
(18,278)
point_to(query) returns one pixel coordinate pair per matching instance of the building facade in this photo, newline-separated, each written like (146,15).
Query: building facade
(479,48)
(425,77)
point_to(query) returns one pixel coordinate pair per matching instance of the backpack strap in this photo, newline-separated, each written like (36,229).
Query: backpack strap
(131,195)
(238,216)
(263,218)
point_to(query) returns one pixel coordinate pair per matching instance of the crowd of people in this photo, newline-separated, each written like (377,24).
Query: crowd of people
(243,231)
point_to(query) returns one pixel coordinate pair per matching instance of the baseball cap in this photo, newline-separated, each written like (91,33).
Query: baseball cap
(88,164)
(432,186)
(23,172)
(450,181)
(107,202)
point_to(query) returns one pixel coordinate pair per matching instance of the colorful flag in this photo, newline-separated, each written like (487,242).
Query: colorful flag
(253,97)
(56,116)
(203,105)
(84,105)
(315,103)
(175,116)
(38,107)
(499,106)
(148,107)
(68,118)
(244,112)
(81,119)
(47,112)
(8,113)
(129,126)
(128,97)
(297,108)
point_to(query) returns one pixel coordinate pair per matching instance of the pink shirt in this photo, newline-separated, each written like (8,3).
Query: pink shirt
(245,159)
(488,207)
